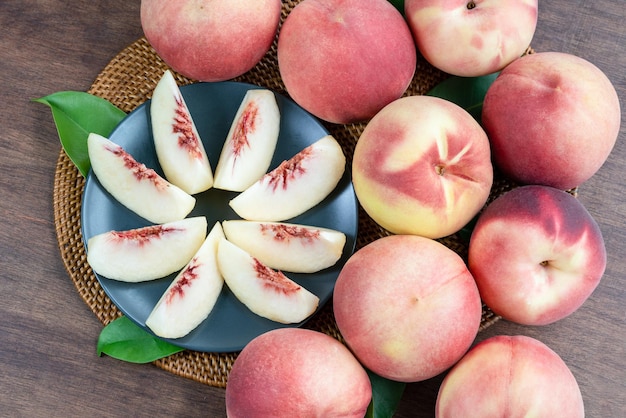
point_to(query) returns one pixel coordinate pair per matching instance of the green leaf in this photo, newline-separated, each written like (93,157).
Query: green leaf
(124,340)
(467,92)
(386,395)
(76,114)
(399,4)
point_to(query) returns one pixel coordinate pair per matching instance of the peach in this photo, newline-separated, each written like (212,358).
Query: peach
(422,166)
(343,60)
(139,188)
(510,376)
(407,306)
(552,118)
(294,372)
(265,291)
(471,37)
(287,247)
(148,252)
(210,40)
(295,185)
(177,143)
(250,143)
(536,255)
(192,295)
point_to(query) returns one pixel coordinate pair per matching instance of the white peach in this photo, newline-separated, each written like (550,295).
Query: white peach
(251,141)
(210,40)
(177,143)
(422,166)
(139,188)
(294,372)
(343,60)
(507,376)
(536,254)
(471,38)
(296,185)
(265,291)
(287,247)
(146,253)
(552,119)
(191,296)
(407,306)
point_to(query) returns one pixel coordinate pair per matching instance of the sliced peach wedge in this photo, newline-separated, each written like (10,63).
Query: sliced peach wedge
(137,187)
(146,253)
(266,292)
(287,247)
(250,143)
(296,185)
(191,296)
(177,143)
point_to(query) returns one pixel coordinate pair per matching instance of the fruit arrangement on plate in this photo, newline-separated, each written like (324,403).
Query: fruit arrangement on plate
(146,231)
(407,307)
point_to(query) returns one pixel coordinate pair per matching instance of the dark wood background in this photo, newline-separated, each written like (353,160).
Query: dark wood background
(48,335)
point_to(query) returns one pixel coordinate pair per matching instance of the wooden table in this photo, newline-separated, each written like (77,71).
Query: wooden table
(48,335)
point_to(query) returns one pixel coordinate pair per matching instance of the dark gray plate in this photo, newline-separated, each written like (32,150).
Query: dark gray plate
(230,326)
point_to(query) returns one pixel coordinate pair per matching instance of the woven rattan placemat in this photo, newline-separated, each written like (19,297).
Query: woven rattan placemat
(128,81)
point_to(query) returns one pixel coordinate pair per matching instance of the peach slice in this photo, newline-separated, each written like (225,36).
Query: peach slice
(137,187)
(250,143)
(190,298)
(287,247)
(296,185)
(176,140)
(146,253)
(266,292)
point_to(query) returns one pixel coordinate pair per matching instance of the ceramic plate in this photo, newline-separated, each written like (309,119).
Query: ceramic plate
(230,326)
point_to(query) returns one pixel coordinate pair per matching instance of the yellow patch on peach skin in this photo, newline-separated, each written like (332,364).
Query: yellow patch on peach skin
(428,15)
(396,349)
(418,138)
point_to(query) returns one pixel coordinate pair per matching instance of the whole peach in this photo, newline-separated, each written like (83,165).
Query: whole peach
(536,254)
(343,60)
(296,372)
(422,166)
(210,40)
(510,376)
(471,37)
(552,118)
(407,307)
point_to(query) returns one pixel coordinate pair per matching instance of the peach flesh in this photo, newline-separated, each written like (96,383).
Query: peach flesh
(552,119)
(407,307)
(343,60)
(295,372)
(536,254)
(510,376)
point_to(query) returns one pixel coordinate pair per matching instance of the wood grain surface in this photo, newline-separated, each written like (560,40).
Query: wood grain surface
(47,333)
